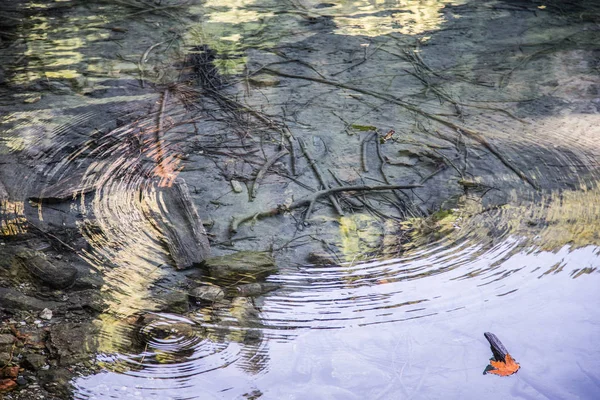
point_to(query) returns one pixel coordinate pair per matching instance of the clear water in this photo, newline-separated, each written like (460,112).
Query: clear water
(512,247)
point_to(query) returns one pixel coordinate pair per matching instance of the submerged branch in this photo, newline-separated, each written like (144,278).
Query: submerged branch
(315,167)
(476,136)
(280,209)
(263,171)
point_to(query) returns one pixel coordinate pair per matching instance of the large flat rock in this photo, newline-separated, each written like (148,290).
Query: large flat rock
(243,266)
(57,275)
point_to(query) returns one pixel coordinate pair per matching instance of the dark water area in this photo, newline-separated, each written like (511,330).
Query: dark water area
(299,199)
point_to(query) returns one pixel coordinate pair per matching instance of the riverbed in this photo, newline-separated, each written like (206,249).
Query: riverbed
(379,182)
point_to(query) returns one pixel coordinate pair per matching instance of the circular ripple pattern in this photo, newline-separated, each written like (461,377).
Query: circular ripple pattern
(545,220)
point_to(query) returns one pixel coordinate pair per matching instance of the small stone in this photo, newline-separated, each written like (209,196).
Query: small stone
(21,381)
(207,293)
(5,358)
(237,186)
(256,289)
(242,267)
(174,301)
(32,99)
(6,339)
(34,361)
(264,80)
(46,314)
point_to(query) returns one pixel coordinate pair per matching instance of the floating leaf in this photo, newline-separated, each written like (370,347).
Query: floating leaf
(502,368)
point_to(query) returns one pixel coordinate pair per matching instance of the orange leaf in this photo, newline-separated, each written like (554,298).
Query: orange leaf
(9,372)
(505,368)
(7,385)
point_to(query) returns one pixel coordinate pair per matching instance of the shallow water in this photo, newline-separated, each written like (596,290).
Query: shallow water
(495,107)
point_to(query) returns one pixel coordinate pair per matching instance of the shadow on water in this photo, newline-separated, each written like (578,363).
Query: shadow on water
(491,108)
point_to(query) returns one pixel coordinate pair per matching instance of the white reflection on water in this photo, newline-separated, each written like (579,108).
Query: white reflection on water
(440,355)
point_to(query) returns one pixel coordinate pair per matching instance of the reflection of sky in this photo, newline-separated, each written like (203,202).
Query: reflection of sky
(440,353)
(447,354)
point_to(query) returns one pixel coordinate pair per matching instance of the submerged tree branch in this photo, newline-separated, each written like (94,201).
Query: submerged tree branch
(309,201)
(476,136)
(263,171)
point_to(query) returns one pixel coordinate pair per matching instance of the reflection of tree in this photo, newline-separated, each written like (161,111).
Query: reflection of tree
(381,17)
(557,219)
(214,337)
(238,321)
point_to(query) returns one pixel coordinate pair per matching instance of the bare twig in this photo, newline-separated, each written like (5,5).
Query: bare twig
(160,129)
(144,57)
(365,142)
(263,171)
(51,236)
(317,171)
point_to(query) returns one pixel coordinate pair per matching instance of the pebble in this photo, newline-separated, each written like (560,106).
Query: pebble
(46,314)
(6,339)
(207,293)
(237,186)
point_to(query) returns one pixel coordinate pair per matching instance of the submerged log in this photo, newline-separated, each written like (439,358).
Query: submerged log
(179,221)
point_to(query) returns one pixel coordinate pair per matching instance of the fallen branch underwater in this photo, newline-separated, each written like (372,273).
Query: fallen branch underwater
(263,171)
(310,201)
(478,137)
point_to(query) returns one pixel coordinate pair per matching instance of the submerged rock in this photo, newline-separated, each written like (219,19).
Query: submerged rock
(55,276)
(6,339)
(256,289)
(244,266)
(73,342)
(174,301)
(320,258)
(11,299)
(34,361)
(207,293)
(243,310)
(65,189)
(86,299)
